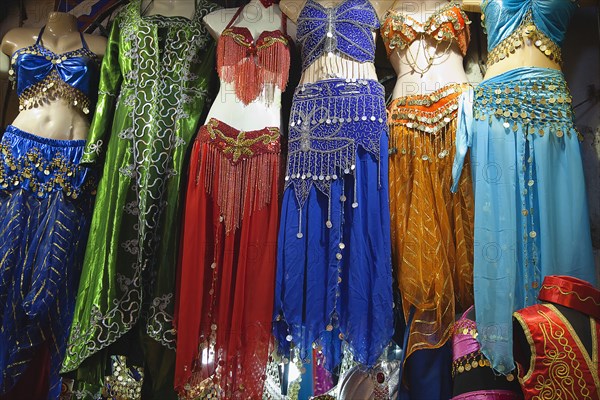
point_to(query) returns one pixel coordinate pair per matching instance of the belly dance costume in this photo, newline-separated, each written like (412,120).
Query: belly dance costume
(333,258)
(531,217)
(563,337)
(432,229)
(227,273)
(471,371)
(45,208)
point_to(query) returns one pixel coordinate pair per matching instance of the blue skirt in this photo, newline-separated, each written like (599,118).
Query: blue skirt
(531,217)
(334,277)
(45,209)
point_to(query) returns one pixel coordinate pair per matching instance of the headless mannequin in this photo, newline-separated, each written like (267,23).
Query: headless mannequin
(55,119)
(292,9)
(447,67)
(525,56)
(227,107)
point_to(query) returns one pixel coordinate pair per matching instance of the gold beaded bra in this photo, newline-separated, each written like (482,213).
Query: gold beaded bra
(448,24)
(512,24)
(42,76)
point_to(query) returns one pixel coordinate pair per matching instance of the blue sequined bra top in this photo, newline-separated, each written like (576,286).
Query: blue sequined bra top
(511,24)
(346,29)
(42,76)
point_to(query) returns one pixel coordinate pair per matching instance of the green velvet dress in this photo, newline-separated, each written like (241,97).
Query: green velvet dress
(154,86)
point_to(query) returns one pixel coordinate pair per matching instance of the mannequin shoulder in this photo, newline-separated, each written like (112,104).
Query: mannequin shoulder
(17,39)
(381,6)
(217,20)
(292,8)
(471,5)
(96,43)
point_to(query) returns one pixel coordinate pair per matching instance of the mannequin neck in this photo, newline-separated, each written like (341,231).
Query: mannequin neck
(259,3)
(60,23)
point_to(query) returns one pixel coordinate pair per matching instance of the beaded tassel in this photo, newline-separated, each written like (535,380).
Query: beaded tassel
(253,66)
(240,169)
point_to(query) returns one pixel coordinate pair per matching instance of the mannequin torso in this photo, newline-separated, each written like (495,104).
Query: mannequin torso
(226,106)
(426,64)
(525,56)
(317,70)
(55,119)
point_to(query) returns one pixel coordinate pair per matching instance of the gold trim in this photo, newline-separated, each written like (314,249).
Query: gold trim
(532,357)
(570,293)
(586,356)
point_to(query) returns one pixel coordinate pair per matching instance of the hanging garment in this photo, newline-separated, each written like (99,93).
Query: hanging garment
(153,87)
(45,206)
(432,228)
(227,274)
(526,166)
(334,264)
(46,200)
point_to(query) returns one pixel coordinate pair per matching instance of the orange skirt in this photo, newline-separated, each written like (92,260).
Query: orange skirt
(432,228)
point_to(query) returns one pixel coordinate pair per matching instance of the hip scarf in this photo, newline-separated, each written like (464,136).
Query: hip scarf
(228,256)
(45,208)
(432,229)
(527,169)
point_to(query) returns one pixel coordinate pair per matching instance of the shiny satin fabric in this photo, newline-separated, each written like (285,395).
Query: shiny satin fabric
(432,228)
(79,70)
(531,217)
(503,17)
(154,85)
(488,395)
(561,366)
(345,29)
(45,210)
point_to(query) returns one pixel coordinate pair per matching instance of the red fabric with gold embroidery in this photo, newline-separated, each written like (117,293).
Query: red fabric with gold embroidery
(561,368)
(226,277)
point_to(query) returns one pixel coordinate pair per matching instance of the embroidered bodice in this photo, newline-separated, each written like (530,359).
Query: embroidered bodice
(509,22)
(42,75)
(346,30)
(251,64)
(561,367)
(448,24)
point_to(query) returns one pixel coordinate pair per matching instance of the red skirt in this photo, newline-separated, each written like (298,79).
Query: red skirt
(226,276)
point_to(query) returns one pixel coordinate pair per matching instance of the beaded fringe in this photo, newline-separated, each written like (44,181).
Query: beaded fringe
(252,68)
(234,184)
(410,141)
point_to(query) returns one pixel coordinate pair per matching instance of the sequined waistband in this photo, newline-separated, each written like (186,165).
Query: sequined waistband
(429,112)
(328,120)
(526,33)
(488,395)
(240,145)
(42,165)
(536,97)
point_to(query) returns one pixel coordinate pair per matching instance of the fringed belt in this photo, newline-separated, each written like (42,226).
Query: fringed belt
(239,166)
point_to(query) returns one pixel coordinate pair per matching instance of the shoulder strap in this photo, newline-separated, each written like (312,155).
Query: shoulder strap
(237,13)
(83,42)
(284,23)
(39,38)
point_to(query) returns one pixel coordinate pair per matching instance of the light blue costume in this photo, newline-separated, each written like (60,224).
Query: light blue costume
(531,217)
(334,278)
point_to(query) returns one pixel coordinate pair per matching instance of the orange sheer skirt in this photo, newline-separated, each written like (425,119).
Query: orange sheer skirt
(432,228)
